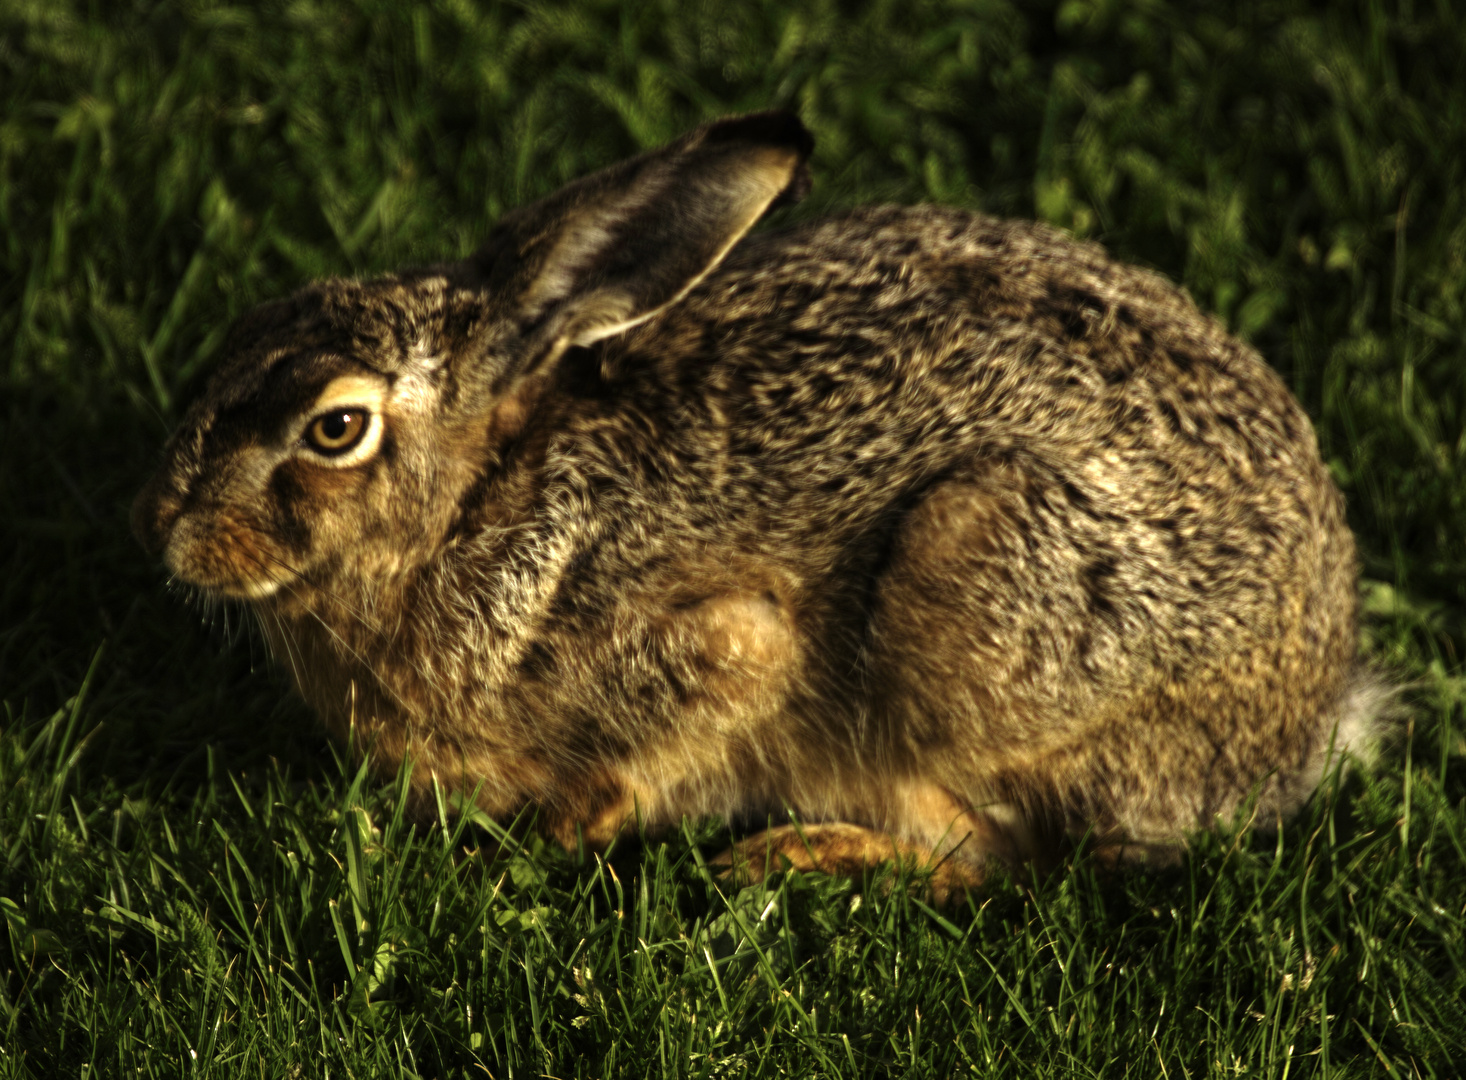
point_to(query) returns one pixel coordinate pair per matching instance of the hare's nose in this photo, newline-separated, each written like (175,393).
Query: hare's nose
(154,512)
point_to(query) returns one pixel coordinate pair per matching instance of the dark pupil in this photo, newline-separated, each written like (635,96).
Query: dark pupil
(333,427)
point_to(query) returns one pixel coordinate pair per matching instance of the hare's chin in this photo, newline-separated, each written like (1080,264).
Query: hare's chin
(236,589)
(252,590)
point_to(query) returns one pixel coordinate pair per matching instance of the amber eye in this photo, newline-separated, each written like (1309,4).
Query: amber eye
(337,431)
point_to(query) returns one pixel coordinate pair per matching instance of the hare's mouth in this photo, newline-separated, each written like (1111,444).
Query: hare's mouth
(258,589)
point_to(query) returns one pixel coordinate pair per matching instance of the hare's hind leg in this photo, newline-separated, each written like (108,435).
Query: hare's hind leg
(910,822)
(846,850)
(1029,648)
(990,671)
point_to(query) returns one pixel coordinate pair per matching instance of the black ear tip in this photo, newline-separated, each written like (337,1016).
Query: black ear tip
(775,127)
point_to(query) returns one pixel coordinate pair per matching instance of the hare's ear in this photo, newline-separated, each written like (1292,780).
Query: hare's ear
(614,249)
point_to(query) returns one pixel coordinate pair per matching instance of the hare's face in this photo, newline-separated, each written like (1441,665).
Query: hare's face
(341,433)
(333,442)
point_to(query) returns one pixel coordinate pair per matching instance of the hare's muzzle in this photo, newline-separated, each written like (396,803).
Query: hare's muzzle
(216,547)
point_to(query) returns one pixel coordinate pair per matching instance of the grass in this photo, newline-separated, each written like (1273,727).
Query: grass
(195,883)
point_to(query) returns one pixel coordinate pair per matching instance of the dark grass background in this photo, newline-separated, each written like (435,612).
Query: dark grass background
(191,881)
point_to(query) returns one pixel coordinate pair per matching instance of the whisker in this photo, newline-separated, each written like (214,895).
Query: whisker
(428,676)
(290,646)
(361,619)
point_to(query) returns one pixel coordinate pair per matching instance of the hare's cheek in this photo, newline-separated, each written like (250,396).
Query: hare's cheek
(312,501)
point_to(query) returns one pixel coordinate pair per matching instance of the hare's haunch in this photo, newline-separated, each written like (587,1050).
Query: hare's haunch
(948,535)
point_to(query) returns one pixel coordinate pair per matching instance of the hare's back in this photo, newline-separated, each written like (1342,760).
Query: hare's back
(828,376)
(901,341)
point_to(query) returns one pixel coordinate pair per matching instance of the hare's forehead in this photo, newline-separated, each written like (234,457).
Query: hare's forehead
(331,343)
(289,385)
(381,325)
(285,377)
(409,387)
(352,389)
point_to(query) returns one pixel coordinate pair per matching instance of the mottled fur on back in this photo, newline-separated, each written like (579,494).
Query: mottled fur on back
(949,532)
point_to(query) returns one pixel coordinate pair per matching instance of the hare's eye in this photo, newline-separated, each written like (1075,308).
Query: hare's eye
(337,431)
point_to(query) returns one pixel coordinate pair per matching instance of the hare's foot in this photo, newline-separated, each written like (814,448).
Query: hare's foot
(594,813)
(844,850)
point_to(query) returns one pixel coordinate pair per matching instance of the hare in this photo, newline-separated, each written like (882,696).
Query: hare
(947,537)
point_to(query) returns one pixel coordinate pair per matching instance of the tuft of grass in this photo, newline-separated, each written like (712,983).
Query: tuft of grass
(193,882)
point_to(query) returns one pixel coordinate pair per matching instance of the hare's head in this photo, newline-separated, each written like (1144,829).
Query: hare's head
(345,425)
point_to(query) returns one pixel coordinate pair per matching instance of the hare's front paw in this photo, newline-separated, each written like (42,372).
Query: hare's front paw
(592,812)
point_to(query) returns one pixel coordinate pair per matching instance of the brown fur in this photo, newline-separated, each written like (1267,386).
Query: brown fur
(950,535)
